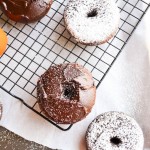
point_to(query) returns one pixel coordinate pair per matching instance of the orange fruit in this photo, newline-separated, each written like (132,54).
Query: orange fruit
(3,42)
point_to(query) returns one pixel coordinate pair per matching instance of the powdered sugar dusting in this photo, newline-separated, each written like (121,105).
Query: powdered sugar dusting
(96,29)
(114,131)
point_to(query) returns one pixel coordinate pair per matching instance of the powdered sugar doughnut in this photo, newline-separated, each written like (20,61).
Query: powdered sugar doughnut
(92,22)
(66,93)
(114,131)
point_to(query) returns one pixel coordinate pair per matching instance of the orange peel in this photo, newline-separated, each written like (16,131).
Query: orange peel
(3,42)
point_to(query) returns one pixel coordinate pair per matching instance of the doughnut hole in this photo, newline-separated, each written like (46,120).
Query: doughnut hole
(115,141)
(68,90)
(92,13)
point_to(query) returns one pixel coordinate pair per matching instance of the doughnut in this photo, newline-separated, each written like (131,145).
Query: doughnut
(25,10)
(92,22)
(114,131)
(66,93)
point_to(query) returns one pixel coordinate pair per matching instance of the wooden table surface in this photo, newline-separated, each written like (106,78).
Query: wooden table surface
(11,141)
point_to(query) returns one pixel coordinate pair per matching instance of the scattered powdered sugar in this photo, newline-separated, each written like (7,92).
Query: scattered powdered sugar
(92,21)
(114,131)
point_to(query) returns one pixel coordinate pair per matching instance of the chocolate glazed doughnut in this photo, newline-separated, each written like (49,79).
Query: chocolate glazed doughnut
(25,10)
(66,93)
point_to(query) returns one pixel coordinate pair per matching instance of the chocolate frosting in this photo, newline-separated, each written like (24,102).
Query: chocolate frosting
(66,93)
(25,10)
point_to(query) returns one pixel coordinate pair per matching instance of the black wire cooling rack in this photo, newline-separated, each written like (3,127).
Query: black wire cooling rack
(32,48)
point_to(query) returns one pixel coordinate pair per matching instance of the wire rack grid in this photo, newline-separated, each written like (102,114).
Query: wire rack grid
(32,48)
